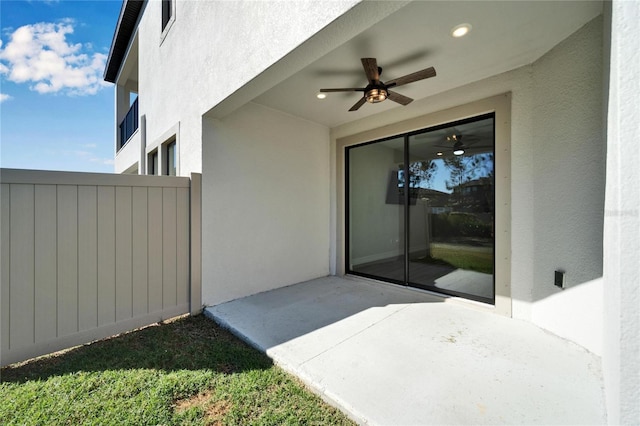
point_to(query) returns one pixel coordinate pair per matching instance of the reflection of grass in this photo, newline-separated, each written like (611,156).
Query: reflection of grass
(458,257)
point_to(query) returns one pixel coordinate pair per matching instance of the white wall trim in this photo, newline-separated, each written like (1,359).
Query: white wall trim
(172,19)
(160,143)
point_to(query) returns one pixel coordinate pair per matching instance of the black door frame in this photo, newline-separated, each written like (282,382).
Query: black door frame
(407,195)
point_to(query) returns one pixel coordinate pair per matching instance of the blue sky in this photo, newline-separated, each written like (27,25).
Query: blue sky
(56,112)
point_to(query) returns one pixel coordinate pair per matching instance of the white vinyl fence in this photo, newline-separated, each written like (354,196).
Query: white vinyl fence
(85,256)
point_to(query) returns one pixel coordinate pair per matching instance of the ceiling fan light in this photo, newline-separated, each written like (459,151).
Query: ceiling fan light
(374,96)
(458,148)
(460,30)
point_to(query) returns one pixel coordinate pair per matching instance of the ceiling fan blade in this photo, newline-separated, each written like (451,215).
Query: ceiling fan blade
(358,104)
(346,89)
(397,97)
(410,78)
(370,66)
(464,146)
(478,147)
(471,141)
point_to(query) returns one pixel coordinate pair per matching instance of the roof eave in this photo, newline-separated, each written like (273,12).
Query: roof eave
(127,22)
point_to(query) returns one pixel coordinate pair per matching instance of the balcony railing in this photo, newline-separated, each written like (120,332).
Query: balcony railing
(129,125)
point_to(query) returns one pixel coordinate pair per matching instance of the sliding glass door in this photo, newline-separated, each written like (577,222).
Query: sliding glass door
(376,210)
(420,209)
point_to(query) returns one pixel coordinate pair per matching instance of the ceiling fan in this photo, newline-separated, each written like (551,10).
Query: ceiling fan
(457,147)
(377,91)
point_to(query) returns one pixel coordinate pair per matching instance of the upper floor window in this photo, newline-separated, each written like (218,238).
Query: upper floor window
(167,12)
(171,166)
(152,168)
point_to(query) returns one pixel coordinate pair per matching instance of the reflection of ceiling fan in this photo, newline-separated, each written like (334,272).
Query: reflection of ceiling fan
(455,144)
(377,91)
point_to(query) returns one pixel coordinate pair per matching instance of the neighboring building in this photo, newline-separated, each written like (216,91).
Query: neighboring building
(290,192)
(476,195)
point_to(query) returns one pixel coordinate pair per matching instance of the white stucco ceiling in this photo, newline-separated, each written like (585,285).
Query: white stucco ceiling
(128,75)
(505,35)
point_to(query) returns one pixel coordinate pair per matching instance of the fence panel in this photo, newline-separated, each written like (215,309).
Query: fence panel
(85,256)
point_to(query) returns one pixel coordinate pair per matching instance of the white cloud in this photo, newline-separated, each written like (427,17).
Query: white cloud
(88,152)
(41,55)
(4,97)
(105,161)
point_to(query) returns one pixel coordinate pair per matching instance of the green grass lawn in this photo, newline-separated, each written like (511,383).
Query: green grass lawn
(471,259)
(187,371)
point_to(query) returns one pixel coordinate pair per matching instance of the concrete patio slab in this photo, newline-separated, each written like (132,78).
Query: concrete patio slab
(393,356)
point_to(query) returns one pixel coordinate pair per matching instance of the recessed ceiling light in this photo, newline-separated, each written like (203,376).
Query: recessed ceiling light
(321,96)
(439,154)
(460,30)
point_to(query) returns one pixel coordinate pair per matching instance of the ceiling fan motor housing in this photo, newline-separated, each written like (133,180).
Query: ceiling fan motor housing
(376,92)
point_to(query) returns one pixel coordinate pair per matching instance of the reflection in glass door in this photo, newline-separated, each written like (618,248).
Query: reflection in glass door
(376,210)
(438,234)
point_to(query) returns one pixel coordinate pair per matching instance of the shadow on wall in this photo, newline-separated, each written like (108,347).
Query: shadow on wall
(569,161)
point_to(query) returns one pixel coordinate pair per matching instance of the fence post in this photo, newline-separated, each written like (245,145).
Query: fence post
(195,291)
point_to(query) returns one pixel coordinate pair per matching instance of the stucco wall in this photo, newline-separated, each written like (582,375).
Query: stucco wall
(129,154)
(557,176)
(265,203)
(202,44)
(568,186)
(621,358)
(557,181)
